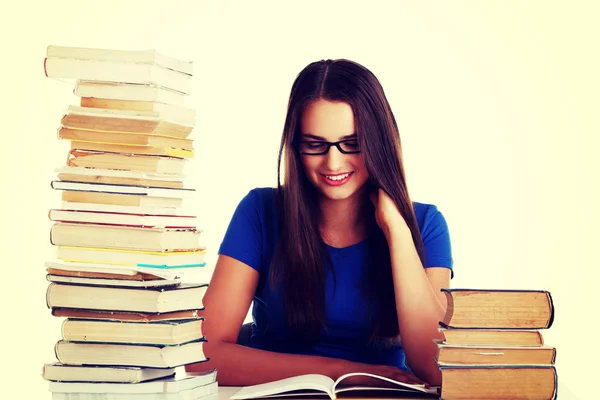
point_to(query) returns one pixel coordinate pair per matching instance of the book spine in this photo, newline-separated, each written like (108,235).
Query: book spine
(62,329)
(56,352)
(450,290)
(488,328)
(551,305)
(48,295)
(52,235)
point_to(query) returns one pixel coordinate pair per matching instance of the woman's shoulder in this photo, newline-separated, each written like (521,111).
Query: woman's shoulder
(423,208)
(263,192)
(259,197)
(259,204)
(429,217)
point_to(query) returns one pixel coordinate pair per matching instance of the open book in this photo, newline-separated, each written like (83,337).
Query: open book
(315,384)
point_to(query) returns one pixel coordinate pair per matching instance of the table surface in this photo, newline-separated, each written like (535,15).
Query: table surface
(225,392)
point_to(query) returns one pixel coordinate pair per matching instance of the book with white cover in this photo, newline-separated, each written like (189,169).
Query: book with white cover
(130,270)
(149,56)
(119,173)
(128,91)
(186,296)
(161,110)
(132,332)
(151,259)
(77,280)
(201,392)
(95,217)
(136,355)
(126,66)
(115,71)
(125,237)
(113,208)
(176,115)
(95,373)
(123,189)
(173,384)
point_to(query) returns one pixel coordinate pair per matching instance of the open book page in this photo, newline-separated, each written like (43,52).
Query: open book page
(401,385)
(316,382)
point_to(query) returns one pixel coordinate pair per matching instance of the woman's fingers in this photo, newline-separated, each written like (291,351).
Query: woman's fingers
(410,378)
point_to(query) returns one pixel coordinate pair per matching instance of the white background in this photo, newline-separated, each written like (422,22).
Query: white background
(497,105)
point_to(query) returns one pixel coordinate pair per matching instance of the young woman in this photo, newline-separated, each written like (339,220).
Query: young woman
(344,270)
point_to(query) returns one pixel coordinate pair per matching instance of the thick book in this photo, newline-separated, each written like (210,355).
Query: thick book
(471,382)
(118,138)
(112,218)
(86,373)
(124,316)
(126,161)
(132,149)
(104,65)
(123,189)
(494,355)
(125,237)
(117,199)
(201,392)
(128,91)
(134,355)
(182,118)
(127,177)
(322,385)
(121,121)
(186,296)
(172,384)
(171,111)
(132,258)
(492,337)
(113,71)
(498,309)
(149,56)
(159,333)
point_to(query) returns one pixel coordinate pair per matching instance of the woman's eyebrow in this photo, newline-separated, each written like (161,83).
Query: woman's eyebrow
(311,136)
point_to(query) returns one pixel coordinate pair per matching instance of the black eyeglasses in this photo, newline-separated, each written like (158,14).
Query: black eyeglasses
(319,147)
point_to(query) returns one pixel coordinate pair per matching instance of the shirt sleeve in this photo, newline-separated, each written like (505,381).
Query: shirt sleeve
(243,238)
(436,240)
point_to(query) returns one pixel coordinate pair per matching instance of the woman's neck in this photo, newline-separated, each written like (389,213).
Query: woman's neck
(342,221)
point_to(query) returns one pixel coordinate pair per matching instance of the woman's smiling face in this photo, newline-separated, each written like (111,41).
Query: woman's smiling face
(336,176)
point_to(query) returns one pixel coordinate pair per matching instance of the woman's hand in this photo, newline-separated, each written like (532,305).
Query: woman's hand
(386,371)
(387,215)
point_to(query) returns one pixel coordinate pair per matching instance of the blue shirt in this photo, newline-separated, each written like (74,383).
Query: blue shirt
(251,238)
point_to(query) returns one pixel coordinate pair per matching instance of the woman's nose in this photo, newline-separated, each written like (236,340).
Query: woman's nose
(334,159)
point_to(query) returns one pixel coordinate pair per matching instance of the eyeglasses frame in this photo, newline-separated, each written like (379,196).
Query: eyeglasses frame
(329,145)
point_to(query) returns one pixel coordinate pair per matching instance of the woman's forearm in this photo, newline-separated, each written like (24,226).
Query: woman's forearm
(418,307)
(242,366)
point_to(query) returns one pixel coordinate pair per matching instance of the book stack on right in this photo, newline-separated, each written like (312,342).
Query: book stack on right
(493,347)
(123,237)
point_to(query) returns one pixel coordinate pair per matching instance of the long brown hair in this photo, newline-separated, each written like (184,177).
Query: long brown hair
(300,260)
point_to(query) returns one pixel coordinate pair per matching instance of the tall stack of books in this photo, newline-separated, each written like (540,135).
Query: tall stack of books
(493,347)
(123,236)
